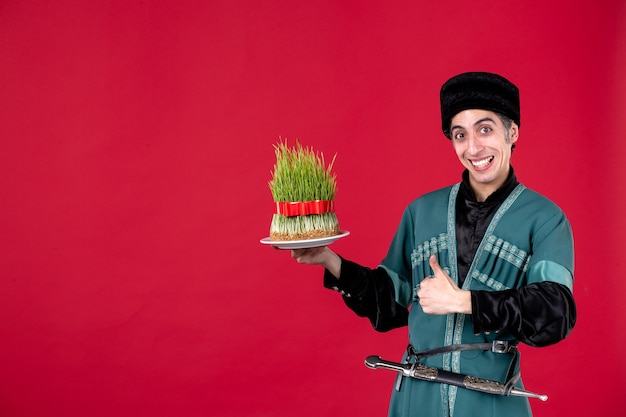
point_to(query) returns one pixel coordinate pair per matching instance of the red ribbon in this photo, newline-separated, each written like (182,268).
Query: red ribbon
(304,208)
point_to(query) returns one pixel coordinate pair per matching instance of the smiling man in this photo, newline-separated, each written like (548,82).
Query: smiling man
(482,143)
(473,270)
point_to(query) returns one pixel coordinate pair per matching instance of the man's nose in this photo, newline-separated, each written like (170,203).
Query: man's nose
(474,144)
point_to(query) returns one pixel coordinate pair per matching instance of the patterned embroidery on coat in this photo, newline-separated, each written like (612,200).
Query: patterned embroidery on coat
(488,281)
(452,361)
(508,252)
(422,253)
(450,391)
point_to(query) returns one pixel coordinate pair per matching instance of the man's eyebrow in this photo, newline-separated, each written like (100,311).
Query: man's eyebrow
(485,119)
(456,127)
(476,123)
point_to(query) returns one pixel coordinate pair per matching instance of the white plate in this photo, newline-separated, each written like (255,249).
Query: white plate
(303,244)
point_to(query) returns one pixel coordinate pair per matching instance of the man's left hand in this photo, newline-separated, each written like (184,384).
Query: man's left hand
(440,295)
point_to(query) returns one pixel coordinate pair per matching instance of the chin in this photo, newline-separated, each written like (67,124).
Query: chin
(483,177)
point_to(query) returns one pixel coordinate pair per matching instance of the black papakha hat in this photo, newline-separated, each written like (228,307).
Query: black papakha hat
(478,90)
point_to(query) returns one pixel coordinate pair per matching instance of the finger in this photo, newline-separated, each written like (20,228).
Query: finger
(435,265)
(438,270)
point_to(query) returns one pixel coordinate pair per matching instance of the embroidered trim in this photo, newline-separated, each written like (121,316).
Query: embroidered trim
(508,252)
(422,253)
(488,281)
(454,334)
(492,225)
(452,232)
(449,392)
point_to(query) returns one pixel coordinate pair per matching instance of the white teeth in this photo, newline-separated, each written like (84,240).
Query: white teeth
(483,162)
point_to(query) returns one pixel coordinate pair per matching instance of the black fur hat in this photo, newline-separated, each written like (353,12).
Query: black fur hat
(478,90)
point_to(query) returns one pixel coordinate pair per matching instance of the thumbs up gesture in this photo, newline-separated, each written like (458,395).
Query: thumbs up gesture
(440,295)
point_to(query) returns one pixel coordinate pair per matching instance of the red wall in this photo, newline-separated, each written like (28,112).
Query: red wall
(136,149)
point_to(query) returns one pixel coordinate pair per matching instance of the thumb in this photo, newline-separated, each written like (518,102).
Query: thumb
(439,272)
(435,265)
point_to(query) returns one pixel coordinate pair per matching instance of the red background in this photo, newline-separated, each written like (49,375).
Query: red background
(136,150)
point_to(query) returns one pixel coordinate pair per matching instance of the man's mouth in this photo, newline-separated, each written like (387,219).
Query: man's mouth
(481,163)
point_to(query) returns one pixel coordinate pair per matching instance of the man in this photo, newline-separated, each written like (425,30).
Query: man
(485,260)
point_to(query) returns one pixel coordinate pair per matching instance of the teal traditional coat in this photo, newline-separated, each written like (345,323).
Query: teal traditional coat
(529,240)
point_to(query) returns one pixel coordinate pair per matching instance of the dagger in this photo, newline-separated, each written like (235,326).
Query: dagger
(426,373)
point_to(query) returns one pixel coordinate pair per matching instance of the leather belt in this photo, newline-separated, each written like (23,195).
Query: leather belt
(497,346)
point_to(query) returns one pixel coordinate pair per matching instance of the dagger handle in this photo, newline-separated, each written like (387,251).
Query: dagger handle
(374,362)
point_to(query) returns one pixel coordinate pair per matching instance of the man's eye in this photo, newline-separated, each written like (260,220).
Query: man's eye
(485,129)
(459,136)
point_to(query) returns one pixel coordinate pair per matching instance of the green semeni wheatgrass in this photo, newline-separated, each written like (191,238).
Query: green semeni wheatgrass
(301,175)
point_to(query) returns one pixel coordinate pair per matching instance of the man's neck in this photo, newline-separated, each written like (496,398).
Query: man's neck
(483,191)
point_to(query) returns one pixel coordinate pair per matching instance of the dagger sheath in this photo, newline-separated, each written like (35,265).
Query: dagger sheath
(426,373)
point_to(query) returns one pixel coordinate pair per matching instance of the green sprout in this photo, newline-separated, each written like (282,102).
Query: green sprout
(300,174)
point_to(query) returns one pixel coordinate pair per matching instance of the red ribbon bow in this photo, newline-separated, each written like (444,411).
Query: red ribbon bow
(304,208)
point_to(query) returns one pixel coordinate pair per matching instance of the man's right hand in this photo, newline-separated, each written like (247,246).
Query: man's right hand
(319,256)
(312,256)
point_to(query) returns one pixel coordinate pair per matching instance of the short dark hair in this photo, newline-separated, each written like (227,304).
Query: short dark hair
(507,122)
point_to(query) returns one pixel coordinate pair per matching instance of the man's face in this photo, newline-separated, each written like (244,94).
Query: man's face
(480,140)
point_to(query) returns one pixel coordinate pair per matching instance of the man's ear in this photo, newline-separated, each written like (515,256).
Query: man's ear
(514,132)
